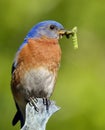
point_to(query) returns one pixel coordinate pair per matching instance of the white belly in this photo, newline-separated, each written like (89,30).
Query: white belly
(38,82)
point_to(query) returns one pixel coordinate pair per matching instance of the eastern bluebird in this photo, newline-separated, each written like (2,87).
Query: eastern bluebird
(36,65)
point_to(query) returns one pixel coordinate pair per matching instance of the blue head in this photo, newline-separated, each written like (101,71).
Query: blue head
(49,28)
(46,28)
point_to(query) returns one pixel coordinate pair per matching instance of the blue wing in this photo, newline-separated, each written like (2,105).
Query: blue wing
(18,116)
(13,68)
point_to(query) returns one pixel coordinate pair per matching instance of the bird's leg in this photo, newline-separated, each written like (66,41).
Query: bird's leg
(32,102)
(46,102)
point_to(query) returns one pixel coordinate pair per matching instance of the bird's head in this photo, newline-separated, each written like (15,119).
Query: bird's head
(49,29)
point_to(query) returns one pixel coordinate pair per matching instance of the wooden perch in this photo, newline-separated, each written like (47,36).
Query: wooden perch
(37,120)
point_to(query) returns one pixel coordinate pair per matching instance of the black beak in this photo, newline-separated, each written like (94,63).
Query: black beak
(67,33)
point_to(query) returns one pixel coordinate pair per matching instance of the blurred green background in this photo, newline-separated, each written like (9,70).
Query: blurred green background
(80,88)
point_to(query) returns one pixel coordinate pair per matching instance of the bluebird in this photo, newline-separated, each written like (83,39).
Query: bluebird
(36,64)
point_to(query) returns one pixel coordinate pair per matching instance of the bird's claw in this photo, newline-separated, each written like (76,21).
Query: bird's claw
(46,102)
(32,102)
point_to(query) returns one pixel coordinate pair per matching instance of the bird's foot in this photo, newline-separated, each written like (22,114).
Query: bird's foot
(32,102)
(46,102)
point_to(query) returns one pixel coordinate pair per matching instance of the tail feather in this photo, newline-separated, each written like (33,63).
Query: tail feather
(18,117)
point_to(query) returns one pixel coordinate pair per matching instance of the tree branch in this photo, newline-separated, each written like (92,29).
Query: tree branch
(37,120)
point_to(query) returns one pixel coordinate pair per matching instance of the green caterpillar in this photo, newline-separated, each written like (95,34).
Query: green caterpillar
(73,34)
(74,37)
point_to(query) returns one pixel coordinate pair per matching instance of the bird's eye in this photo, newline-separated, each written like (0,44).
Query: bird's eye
(52,27)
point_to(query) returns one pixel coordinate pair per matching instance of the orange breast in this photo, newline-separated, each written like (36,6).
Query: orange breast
(36,53)
(40,52)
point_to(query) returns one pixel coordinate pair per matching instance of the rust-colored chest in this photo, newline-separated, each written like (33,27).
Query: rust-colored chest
(40,52)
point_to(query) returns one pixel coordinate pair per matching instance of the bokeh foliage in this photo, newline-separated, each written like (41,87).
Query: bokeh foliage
(80,88)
